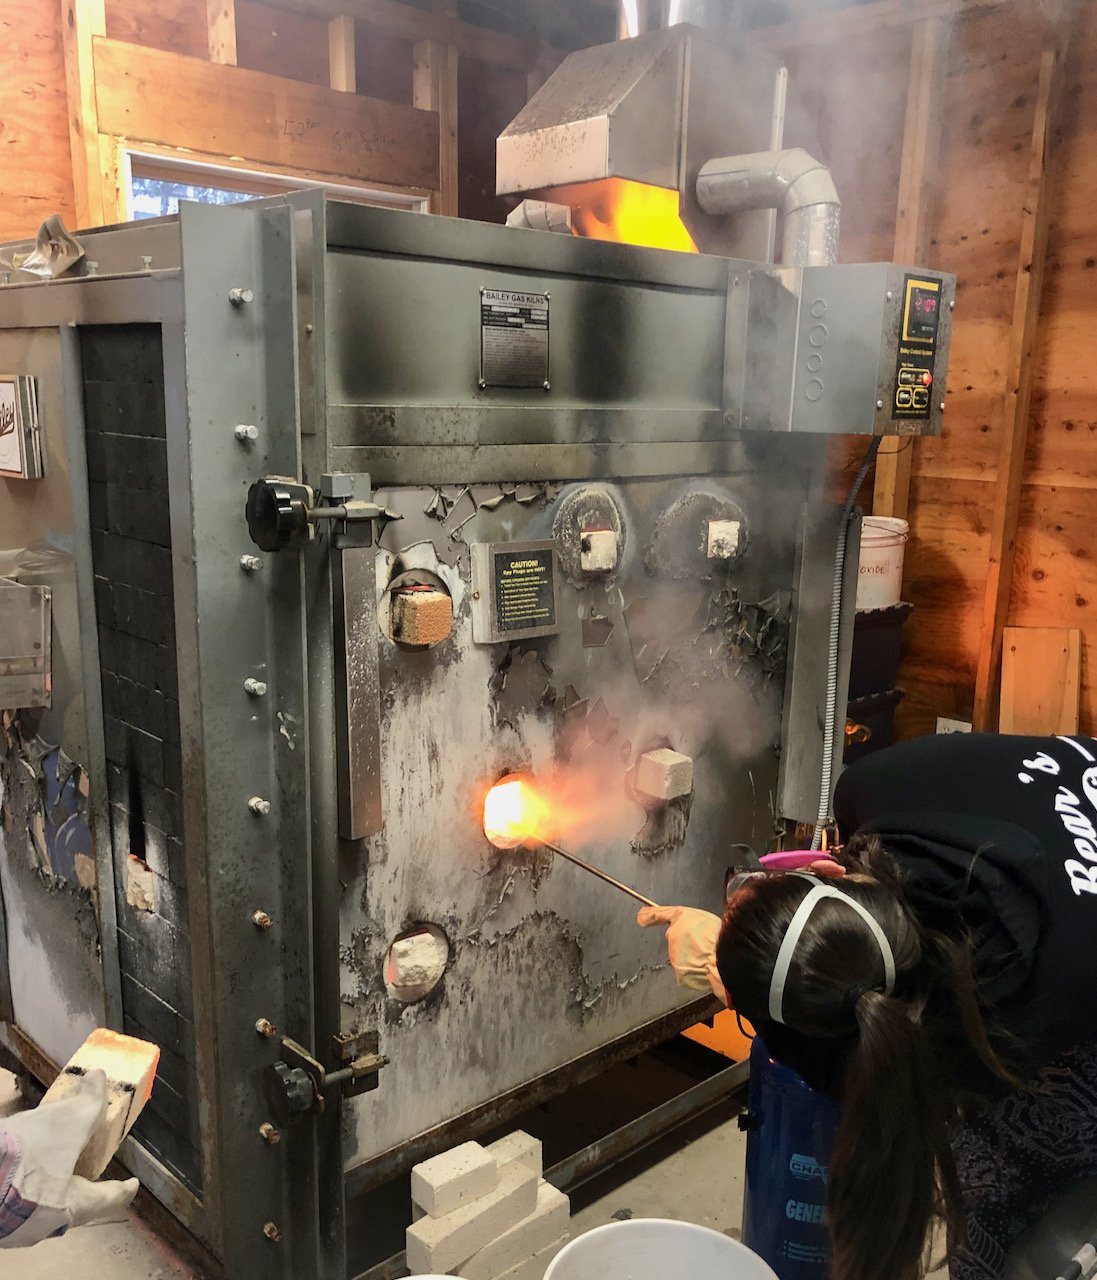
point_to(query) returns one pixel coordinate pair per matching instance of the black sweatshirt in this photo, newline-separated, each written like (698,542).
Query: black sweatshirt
(997,836)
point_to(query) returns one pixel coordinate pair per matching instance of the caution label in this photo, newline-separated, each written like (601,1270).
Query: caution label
(514,338)
(524,589)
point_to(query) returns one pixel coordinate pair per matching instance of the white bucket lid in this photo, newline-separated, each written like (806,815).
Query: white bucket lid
(883,529)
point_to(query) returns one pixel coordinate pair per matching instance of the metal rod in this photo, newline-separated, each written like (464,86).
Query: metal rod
(596,871)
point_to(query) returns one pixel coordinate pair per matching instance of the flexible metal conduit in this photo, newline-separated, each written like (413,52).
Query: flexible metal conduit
(794,183)
(830,718)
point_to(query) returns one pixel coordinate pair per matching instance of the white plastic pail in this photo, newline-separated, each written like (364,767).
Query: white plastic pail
(656,1249)
(880,575)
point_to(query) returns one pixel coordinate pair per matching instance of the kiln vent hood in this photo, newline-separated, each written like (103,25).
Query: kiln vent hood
(611,111)
(653,110)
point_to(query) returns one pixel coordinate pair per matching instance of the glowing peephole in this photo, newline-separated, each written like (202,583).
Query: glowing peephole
(513,813)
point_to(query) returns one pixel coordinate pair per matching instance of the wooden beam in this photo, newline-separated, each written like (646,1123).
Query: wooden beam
(221,31)
(411,23)
(917,193)
(1020,370)
(82,21)
(434,88)
(147,95)
(861,19)
(342,64)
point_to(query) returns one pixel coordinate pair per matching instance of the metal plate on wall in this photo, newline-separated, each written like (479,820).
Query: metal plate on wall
(25,630)
(514,339)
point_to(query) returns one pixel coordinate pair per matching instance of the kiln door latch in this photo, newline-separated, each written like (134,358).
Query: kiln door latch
(283,513)
(298,1083)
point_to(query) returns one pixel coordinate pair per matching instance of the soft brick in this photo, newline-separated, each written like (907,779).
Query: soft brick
(517,1146)
(438,1245)
(534,1268)
(130,1068)
(444,1183)
(548,1222)
(664,774)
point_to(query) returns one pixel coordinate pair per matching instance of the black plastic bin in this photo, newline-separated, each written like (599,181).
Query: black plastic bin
(870,723)
(877,639)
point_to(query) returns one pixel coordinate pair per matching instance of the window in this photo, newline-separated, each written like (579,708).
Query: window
(155,185)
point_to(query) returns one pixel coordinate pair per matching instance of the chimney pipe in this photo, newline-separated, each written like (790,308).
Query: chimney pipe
(634,17)
(800,187)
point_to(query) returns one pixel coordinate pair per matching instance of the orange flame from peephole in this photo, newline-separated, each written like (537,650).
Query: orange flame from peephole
(563,804)
(626,212)
(514,812)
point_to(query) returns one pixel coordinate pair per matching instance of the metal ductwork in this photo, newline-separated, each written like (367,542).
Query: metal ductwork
(655,110)
(637,16)
(800,187)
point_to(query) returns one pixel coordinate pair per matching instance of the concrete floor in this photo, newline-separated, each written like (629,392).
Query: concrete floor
(696,1175)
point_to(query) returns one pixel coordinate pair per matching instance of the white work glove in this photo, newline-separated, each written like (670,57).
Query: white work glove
(39,1196)
(691,944)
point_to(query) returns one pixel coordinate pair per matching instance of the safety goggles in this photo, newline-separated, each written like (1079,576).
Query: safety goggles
(769,864)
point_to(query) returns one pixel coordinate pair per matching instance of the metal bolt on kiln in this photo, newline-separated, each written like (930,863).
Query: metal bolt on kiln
(257,688)
(240,297)
(250,564)
(266,1028)
(269,1133)
(246,432)
(271,1232)
(258,805)
(261,920)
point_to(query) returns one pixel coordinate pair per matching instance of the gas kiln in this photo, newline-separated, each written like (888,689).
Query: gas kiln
(321,518)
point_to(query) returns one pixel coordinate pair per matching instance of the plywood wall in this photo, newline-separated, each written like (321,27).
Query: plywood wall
(1055,582)
(857,86)
(35,166)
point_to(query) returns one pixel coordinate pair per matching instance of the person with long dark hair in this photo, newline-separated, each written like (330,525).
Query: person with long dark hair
(940,980)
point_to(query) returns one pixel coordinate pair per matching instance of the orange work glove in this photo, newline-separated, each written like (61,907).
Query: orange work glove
(691,945)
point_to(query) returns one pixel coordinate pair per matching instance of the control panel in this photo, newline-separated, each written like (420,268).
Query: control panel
(916,357)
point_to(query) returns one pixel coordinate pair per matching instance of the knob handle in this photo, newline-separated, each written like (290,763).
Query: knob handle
(277,514)
(289,1092)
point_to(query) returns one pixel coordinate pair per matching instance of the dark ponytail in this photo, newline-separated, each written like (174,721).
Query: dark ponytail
(892,1143)
(887,1057)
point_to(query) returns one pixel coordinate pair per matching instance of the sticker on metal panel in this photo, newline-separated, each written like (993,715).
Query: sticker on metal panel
(514,338)
(524,589)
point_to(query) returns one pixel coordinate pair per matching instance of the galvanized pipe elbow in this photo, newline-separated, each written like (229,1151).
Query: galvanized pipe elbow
(800,187)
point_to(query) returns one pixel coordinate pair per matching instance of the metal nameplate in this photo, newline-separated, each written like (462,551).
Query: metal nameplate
(514,339)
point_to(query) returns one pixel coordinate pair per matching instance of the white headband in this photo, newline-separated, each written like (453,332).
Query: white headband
(796,928)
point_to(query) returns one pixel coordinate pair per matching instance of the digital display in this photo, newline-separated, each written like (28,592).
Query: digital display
(923,304)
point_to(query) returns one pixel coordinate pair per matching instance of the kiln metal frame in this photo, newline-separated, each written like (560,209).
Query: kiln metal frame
(229,364)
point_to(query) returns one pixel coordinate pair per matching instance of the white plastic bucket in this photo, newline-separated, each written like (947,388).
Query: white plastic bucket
(656,1249)
(880,573)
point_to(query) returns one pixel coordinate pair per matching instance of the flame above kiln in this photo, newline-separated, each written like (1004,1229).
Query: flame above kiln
(626,212)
